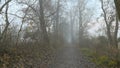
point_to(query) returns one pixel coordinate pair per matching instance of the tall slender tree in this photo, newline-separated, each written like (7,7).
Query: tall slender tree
(117,4)
(6,21)
(42,22)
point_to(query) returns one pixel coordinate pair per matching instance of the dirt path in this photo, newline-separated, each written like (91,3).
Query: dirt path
(70,57)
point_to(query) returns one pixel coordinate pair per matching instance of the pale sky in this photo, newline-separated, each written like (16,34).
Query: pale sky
(94,4)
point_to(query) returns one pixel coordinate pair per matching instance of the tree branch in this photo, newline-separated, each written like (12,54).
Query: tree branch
(4,5)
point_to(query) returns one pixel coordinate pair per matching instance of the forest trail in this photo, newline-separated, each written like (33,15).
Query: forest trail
(70,57)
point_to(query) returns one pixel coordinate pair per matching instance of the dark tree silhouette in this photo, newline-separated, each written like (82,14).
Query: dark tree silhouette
(117,4)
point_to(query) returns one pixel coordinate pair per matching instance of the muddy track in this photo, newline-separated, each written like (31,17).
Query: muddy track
(70,57)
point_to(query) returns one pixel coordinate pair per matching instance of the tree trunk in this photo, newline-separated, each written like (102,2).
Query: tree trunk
(7,23)
(45,38)
(117,4)
(110,40)
(116,40)
(57,21)
(116,32)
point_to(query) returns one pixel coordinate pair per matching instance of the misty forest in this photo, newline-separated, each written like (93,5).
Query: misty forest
(59,34)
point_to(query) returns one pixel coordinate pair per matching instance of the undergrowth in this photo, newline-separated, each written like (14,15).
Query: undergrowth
(101,60)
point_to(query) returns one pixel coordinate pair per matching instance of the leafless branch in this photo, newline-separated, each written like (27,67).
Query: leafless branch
(4,5)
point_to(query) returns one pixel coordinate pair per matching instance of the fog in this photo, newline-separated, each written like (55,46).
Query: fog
(59,34)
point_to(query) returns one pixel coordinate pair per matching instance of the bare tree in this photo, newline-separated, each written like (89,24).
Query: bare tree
(42,22)
(117,4)
(57,18)
(21,26)
(7,23)
(40,16)
(109,17)
(84,18)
